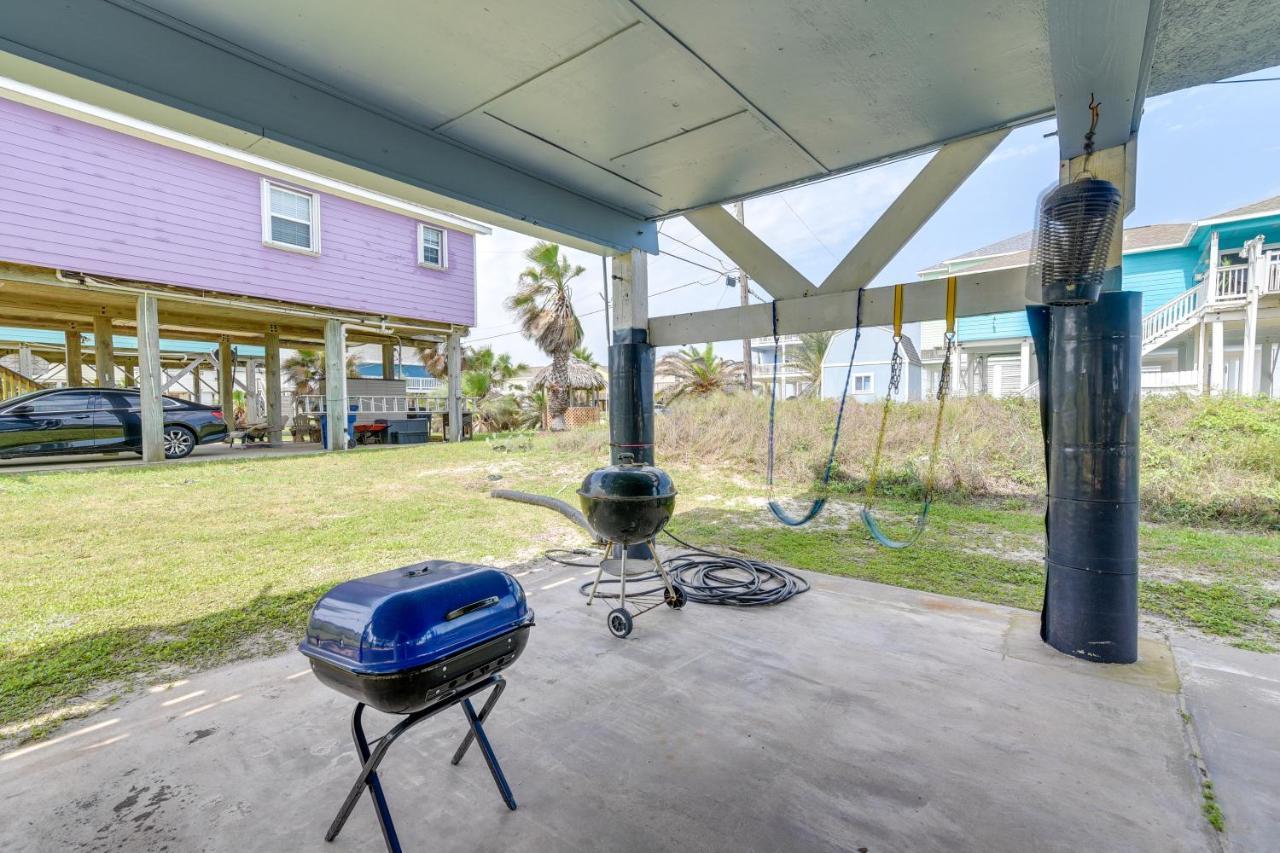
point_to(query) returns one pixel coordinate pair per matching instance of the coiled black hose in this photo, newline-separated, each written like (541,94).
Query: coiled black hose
(708,577)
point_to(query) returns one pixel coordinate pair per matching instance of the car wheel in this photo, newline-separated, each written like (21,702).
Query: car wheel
(178,442)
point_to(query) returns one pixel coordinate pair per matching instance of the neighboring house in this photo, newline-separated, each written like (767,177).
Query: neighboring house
(97,210)
(868,381)
(1210,303)
(415,376)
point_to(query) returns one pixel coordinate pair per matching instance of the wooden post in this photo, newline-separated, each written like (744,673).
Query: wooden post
(1257,279)
(388,361)
(251,413)
(151,374)
(75,359)
(454,357)
(275,393)
(126,371)
(26,363)
(1269,349)
(335,383)
(1202,366)
(103,353)
(1025,363)
(195,383)
(1211,283)
(1217,361)
(744,298)
(226,382)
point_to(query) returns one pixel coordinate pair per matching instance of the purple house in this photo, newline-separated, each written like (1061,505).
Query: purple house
(111,225)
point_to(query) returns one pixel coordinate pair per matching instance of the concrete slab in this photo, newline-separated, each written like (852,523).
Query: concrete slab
(1233,697)
(855,717)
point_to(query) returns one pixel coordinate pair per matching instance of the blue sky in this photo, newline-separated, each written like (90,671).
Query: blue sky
(1200,151)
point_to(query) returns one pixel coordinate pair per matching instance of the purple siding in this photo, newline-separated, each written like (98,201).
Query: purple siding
(80,197)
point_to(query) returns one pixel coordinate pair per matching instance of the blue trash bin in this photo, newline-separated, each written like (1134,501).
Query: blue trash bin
(350,431)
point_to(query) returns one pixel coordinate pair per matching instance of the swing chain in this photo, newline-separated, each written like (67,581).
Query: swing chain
(895,366)
(944,377)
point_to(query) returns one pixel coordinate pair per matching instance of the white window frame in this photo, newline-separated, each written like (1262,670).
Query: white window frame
(314,224)
(871,383)
(444,246)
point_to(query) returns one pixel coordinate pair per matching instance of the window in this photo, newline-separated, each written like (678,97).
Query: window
(290,219)
(862,383)
(432,247)
(63,401)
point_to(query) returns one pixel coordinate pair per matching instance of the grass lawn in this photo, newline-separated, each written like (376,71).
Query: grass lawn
(124,574)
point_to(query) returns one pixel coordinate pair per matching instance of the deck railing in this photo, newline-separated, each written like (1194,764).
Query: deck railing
(1233,282)
(1167,316)
(1271,284)
(13,383)
(381,404)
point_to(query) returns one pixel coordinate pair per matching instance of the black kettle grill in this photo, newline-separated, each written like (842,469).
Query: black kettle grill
(626,504)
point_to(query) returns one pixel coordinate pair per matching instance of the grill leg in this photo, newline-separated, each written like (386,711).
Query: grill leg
(599,572)
(622,581)
(484,715)
(368,778)
(489,758)
(662,570)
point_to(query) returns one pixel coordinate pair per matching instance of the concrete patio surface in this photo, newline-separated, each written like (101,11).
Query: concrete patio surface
(855,717)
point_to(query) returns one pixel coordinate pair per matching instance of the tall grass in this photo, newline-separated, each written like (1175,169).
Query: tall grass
(1204,460)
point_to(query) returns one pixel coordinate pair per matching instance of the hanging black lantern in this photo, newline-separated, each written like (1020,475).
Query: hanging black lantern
(1073,237)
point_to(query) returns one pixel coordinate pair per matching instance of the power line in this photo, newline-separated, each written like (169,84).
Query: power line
(1247,80)
(715,258)
(807,228)
(471,340)
(721,271)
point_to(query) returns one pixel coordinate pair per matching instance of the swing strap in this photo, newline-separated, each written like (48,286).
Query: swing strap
(895,376)
(817,506)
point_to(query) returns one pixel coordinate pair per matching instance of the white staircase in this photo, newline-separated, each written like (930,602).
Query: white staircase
(1172,319)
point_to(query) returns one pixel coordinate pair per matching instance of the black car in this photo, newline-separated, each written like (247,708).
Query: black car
(100,420)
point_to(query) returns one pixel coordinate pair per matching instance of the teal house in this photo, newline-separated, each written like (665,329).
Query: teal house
(1210,301)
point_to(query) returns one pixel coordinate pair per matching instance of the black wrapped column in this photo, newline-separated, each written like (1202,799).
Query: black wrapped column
(631,395)
(1091,358)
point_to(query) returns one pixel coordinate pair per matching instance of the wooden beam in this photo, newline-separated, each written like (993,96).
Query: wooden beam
(274,390)
(978,293)
(150,375)
(226,382)
(1100,49)
(630,302)
(75,359)
(453,354)
(765,266)
(937,181)
(103,356)
(388,360)
(335,383)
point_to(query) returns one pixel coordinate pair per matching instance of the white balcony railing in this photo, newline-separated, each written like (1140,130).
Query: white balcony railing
(314,404)
(1272,280)
(1233,282)
(1167,316)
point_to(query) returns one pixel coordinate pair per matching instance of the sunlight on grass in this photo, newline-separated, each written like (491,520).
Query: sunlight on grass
(119,576)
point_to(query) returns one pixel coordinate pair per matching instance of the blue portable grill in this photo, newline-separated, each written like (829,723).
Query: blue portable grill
(415,641)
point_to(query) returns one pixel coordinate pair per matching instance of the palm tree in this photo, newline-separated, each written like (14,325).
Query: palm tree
(586,356)
(813,351)
(543,303)
(699,372)
(304,370)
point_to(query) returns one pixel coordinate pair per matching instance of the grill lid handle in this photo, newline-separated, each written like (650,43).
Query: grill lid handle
(471,608)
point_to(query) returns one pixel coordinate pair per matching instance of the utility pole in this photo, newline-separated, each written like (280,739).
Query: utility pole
(743,293)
